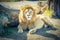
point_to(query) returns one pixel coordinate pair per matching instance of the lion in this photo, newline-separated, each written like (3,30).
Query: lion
(28,19)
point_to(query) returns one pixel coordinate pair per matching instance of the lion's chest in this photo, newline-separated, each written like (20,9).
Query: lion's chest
(25,25)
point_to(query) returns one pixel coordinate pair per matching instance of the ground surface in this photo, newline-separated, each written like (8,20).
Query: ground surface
(49,33)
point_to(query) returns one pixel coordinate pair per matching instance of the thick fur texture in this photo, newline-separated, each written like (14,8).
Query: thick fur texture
(33,24)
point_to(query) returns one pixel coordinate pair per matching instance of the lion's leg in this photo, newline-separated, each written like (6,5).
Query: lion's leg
(32,31)
(35,29)
(38,25)
(20,30)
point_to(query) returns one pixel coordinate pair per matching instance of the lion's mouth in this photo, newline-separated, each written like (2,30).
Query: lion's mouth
(28,18)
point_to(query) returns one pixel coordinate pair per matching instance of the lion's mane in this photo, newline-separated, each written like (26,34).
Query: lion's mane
(21,15)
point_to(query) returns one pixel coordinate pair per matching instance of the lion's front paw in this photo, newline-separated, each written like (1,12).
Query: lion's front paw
(20,31)
(32,31)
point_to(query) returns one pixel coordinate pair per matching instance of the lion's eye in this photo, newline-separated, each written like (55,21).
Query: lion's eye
(31,11)
(28,11)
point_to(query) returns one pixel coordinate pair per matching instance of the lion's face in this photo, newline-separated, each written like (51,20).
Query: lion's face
(28,13)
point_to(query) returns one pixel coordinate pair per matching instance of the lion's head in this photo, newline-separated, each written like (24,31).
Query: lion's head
(27,13)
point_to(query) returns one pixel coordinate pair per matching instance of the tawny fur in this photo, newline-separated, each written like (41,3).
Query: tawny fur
(36,22)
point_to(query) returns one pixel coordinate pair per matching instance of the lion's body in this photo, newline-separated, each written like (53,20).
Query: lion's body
(33,24)
(36,22)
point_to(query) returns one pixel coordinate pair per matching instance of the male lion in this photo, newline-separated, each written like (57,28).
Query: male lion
(28,18)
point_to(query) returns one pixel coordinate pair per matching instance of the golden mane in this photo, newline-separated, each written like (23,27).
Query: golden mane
(21,15)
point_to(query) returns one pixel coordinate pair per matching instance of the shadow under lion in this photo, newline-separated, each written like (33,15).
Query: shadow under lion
(13,33)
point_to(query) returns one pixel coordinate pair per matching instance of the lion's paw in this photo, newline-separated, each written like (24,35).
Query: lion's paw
(32,31)
(20,31)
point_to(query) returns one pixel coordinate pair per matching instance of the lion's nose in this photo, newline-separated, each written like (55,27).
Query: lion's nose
(28,15)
